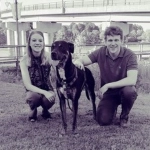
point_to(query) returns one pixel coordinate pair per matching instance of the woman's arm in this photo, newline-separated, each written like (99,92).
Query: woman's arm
(26,79)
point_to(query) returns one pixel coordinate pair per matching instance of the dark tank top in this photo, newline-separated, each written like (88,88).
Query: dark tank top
(39,74)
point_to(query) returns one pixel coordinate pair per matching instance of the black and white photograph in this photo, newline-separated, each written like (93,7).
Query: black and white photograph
(74,75)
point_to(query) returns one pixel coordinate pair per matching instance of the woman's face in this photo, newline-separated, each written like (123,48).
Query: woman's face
(36,43)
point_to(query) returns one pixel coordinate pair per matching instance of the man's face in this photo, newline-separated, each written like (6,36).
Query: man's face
(113,43)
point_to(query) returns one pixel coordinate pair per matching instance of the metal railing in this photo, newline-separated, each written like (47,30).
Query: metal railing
(140,49)
(81,3)
(15,53)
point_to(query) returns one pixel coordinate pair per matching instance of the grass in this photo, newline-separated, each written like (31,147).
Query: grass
(17,133)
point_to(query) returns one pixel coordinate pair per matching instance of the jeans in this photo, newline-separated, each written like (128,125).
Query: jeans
(107,107)
(35,100)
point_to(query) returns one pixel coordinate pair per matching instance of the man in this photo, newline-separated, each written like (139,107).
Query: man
(119,70)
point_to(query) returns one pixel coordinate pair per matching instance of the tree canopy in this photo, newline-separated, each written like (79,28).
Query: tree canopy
(135,34)
(87,33)
(146,36)
(81,33)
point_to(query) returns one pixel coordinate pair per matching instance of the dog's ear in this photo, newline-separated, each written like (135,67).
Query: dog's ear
(71,47)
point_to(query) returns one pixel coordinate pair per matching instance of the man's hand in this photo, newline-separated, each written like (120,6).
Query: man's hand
(50,95)
(101,91)
(79,64)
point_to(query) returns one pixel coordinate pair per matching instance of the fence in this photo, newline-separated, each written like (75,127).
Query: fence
(12,53)
(74,3)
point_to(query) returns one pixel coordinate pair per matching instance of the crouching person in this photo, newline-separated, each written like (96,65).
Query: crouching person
(35,69)
(119,69)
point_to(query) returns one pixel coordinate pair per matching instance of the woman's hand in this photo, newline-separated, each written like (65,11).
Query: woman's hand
(50,95)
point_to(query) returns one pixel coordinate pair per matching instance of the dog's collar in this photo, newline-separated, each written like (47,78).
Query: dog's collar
(73,77)
(69,81)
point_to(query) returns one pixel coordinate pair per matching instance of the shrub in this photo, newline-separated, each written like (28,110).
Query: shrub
(143,83)
(132,39)
(9,74)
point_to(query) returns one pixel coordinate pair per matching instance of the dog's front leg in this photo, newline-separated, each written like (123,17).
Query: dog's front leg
(75,99)
(75,111)
(63,112)
(62,102)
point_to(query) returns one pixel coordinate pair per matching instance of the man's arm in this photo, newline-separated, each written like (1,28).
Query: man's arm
(130,80)
(81,62)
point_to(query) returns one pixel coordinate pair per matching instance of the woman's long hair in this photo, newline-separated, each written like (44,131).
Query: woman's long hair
(44,56)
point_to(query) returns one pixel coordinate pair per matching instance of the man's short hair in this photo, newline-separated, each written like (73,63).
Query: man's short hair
(113,30)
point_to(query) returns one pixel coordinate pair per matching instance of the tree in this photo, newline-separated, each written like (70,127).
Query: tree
(88,35)
(81,33)
(64,34)
(101,36)
(146,36)
(75,31)
(3,37)
(135,33)
(81,27)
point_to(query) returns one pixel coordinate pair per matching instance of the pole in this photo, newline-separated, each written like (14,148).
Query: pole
(18,41)
(63,6)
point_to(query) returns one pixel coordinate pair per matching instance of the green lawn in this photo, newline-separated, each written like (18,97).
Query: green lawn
(17,133)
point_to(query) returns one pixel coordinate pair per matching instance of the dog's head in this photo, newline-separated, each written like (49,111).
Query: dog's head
(60,50)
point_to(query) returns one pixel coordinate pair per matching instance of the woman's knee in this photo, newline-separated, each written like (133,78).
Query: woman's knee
(46,104)
(33,99)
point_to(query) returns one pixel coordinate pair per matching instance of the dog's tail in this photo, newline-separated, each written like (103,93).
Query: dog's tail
(86,86)
(87,91)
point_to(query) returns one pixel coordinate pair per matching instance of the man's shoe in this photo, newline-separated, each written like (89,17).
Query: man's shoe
(124,123)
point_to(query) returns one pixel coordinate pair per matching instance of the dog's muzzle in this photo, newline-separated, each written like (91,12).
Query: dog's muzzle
(61,58)
(62,62)
(54,56)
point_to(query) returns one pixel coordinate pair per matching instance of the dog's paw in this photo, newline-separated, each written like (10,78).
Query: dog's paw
(62,133)
(75,133)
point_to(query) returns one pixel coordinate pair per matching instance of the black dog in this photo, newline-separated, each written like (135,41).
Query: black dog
(71,82)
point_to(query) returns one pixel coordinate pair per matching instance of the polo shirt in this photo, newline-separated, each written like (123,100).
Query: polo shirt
(113,70)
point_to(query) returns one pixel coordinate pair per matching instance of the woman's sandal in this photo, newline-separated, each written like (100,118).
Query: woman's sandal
(32,119)
(33,115)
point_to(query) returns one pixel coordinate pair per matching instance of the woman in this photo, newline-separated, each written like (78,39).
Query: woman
(35,69)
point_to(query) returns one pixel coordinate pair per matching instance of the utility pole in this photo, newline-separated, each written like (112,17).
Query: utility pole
(18,41)
(63,7)
(0,9)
